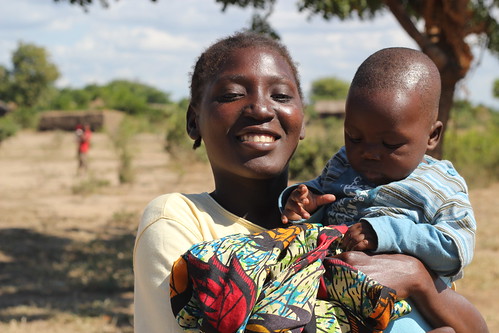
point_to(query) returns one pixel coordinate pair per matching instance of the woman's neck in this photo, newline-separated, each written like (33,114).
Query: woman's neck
(254,200)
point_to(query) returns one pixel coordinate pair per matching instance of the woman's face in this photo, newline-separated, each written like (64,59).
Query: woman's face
(250,116)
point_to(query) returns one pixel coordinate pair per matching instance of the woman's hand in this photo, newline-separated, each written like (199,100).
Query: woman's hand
(441,306)
(403,273)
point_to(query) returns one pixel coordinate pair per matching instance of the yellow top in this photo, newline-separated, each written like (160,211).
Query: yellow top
(170,225)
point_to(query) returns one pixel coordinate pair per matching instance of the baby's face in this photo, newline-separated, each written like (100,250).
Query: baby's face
(386,134)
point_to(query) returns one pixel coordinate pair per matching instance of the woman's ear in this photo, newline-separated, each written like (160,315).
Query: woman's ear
(192,123)
(192,126)
(435,135)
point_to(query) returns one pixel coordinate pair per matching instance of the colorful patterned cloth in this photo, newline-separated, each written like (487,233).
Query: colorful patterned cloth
(281,280)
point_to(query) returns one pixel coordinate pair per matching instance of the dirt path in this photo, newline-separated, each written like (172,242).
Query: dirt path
(53,221)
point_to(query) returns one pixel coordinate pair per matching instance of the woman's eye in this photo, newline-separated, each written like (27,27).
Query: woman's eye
(229,97)
(282,98)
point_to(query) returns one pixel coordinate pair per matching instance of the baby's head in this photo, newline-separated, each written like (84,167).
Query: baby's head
(391,114)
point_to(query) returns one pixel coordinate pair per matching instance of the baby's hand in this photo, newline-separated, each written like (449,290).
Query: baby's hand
(302,202)
(360,237)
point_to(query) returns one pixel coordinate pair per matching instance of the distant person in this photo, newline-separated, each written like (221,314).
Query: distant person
(83,135)
(393,197)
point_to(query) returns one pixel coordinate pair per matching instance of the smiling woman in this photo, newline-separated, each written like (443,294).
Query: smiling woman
(246,107)
(255,104)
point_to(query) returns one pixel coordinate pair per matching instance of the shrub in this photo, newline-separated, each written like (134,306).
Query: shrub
(8,127)
(310,158)
(474,153)
(323,139)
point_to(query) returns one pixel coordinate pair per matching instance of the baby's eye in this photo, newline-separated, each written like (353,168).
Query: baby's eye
(392,146)
(282,98)
(229,97)
(354,140)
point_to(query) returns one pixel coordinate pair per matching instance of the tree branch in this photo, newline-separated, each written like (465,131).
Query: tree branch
(421,39)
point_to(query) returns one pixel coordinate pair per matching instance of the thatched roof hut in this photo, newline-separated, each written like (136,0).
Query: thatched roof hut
(330,108)
(68,120)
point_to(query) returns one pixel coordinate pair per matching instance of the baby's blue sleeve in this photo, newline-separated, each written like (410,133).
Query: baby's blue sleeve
(410,323)
(424,241)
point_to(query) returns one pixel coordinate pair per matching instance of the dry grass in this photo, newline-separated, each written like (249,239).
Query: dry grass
(66,241)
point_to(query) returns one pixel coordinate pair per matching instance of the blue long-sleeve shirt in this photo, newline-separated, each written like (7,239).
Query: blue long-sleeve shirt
(428,214)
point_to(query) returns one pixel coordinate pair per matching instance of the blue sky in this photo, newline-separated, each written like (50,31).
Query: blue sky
(158,43)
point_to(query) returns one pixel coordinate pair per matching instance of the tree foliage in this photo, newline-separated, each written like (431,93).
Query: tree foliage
(70,99)
(328,88)
(131,97)
(496,88)
(32,76)
(86,3)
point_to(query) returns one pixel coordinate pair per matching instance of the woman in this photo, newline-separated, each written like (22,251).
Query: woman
(246,105)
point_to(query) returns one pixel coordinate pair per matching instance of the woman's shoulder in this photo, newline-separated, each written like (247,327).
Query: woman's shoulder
(172,207)
(171,203)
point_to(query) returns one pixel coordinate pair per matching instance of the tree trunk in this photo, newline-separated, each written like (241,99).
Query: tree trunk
(445,106)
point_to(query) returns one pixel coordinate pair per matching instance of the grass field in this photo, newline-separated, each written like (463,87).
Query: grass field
(66,241)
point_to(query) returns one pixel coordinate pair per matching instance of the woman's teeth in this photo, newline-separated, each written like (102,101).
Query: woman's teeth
(257,138)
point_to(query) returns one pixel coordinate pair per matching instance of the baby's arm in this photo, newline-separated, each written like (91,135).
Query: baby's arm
(435,245)
(302,202)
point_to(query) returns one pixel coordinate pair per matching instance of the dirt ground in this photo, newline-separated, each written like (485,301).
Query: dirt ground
(66,240)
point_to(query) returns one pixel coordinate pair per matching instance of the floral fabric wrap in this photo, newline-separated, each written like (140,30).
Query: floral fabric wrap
(281,280)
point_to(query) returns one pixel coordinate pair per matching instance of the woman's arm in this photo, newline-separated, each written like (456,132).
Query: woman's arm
(440,305)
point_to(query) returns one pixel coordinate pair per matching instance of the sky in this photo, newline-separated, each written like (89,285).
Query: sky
(157,43)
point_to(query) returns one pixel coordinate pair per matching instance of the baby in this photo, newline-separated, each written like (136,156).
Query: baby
(393,196)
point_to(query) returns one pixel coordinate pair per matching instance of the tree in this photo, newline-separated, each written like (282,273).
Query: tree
(496,88)
(328,88)
(440,28)
(31,77)
(85,3)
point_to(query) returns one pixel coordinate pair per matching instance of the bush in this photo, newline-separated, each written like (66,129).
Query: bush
(310,158)
(70,99)
(323,139)
(176,138)
(8,127)
(26,117)
(475,154)
(121,140)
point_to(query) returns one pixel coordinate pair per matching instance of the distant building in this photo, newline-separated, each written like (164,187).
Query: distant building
(330,108)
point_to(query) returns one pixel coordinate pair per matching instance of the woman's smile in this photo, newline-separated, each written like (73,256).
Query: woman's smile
(260,138)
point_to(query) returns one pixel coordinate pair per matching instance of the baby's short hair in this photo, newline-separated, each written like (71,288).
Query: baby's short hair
(402,69)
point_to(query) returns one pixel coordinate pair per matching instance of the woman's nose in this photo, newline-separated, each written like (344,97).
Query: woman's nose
(259,109)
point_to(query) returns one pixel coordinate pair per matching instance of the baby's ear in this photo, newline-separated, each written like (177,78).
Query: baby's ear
(192,123)
(435,135)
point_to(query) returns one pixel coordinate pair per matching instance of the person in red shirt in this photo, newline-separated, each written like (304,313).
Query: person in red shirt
(83,135)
